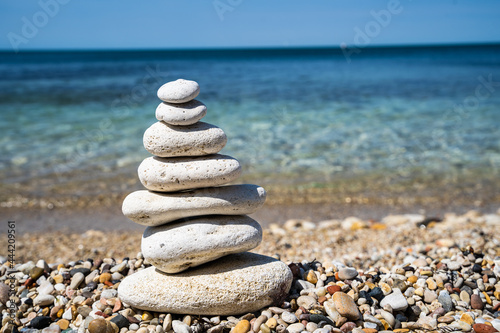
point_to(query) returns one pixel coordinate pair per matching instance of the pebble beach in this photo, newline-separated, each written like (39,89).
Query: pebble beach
(203,264)
(401,273)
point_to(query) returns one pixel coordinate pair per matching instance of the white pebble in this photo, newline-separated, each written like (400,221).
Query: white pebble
(179,91)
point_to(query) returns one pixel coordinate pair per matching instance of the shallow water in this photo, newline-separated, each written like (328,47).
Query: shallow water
(291,116)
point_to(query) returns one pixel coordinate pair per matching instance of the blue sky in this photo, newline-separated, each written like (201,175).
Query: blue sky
(97,24)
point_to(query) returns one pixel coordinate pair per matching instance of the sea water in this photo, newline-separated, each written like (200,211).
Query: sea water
(292,116)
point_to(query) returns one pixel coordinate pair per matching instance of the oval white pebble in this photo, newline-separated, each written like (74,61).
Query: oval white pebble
(199,139)
(153,208)
(235,284)
(181,114)
(182,173)
(175,247)
(44,300)
(179,91)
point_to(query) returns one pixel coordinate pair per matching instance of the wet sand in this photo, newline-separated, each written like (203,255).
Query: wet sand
(110,218)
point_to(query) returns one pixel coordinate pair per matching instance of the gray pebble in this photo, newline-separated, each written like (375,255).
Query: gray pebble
(76,280)
(445,300)
(347,273)
(109,293)
(301,284)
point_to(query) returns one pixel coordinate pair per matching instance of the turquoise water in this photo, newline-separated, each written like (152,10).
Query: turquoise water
(291,115)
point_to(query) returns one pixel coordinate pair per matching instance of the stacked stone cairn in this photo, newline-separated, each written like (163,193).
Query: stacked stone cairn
(197,230)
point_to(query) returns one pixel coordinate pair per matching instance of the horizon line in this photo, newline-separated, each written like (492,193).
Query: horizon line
(243,48)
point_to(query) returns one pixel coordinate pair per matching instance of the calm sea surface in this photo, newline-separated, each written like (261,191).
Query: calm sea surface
(292,116)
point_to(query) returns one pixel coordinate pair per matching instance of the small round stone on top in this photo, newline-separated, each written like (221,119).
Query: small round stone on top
(179,91)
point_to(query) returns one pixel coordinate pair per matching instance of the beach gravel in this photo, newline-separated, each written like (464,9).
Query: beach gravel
(410,277)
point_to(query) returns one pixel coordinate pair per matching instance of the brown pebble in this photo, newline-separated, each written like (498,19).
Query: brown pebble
(98,325)
(97,264)
(102,314)
(488,299)
(293,304)
(29,283)
(54,311)
(257,322)
(295,269)
(36,272)
(476,302)
(146,316)
(58,278)
(104,277)
(311,277)
(4,293)
(133,320)
(347,327)
(345,305)
(118,305)
(483,328)
(31,315)
(333,289)
(243,326)
(45,311)
(322,300)
(271,323)
(412,279)
(465,317)
(112,327)
(63,324)
(369,330)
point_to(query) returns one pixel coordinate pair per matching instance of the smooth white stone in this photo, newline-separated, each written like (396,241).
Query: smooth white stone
(153,208)
(181,114)
(164,140)
(179,91)
(180,327)
(46,288)
(44,300)
(396,300)
(176,246)
(183,173)
(235,284)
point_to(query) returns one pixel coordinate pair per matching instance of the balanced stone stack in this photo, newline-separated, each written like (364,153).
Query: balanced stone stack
(197,230)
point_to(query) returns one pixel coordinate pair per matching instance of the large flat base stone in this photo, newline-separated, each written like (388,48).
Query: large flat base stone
(235,284)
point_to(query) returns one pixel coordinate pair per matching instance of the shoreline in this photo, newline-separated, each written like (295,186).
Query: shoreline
(70,213)
(70,220)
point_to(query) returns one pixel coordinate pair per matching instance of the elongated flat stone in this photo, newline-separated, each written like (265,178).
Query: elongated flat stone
(175,247)
(181,114)
(153,208)
(235,284)
(179,91)
(182,173)
(164,140)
